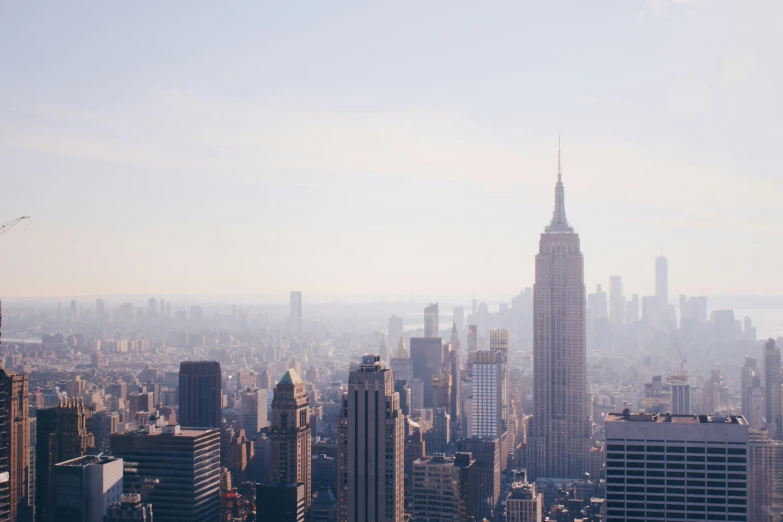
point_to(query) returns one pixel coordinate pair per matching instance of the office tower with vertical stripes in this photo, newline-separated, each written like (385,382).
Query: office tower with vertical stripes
(559,439)
(371,446)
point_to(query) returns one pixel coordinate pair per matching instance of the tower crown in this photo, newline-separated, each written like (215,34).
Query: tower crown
(559,221)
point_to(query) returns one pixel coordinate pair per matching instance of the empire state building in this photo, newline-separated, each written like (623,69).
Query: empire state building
(559,437)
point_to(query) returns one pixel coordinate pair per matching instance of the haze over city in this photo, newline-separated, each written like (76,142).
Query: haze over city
(253,149)
(394,262)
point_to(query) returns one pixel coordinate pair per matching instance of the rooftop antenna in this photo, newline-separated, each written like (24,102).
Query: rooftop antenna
(559,165)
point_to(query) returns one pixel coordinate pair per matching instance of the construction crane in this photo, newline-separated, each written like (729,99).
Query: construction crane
(5,227)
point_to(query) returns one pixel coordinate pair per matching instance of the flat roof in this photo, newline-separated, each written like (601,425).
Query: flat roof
(88,460)
(627,416)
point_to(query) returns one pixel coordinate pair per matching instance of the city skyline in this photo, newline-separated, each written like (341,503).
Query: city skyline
(431,165)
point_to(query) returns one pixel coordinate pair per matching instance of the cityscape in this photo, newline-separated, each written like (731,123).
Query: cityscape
(391,262)
(530,413)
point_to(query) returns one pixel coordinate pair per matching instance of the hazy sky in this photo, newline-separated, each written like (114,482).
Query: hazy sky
(345,148)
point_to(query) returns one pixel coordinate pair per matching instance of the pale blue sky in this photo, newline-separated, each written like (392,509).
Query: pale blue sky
(345,148)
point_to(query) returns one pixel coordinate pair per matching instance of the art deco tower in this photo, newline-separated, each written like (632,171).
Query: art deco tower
(371,446)
(559,440)
(290,434)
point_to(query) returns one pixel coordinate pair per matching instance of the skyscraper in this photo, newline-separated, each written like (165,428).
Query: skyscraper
(772,396)
(63,432)
(472,338)
(200,385)
(662,281)
(15,500)
(431,320)
(559,437)
(427,358)
(186,462)
(85,487)
(524,503)
(765,477)
(676,467)
(254,408)
(290,434)
(486,486)
(441,486)
(401,364)
(371,446)
(488,383)
(295,313)
(617,311)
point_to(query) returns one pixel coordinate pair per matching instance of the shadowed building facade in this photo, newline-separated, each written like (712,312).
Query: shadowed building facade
(200,385)
(291,461)
(371,446)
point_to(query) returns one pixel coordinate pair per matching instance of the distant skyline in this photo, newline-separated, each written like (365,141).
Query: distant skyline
(351,150)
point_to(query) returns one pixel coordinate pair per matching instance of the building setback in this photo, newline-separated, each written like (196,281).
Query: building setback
(86,487)
(62,433)
(371,446)
(485,489)
(442,487)
(676,467)
(185,461)
(559,437)
(290,438)
(200,387)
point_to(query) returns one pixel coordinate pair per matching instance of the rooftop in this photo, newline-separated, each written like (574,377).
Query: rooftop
(628,416)
(88,460)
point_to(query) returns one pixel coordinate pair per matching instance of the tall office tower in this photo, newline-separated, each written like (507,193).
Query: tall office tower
(524,503)
(371,446)
(488,385)
(281,502)
(129,508)
(401,364)
(472,338)
(63,432)
(676,467)
(290,434)
(152,306)
(200,400)
(662,281)
(455,408)
(85,487)
(440,435)
(415,448)
(765,477)
(748,373)
(431,320)
(427,358)
(395,329)
(617,310)
(498,342)
(440,488)
(15,499)
(295,313)
(681,397)
(104,423)
(559,436)
(772,396)
(486,484)
(186,462)
(454,339)
(254,407)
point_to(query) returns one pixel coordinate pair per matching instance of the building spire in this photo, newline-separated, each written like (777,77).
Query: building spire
(559,164)
(559,222)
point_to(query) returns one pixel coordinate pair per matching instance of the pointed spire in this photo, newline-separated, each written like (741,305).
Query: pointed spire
(383,347)
(559,221)
(402,353)
(454,341)
(559,164)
